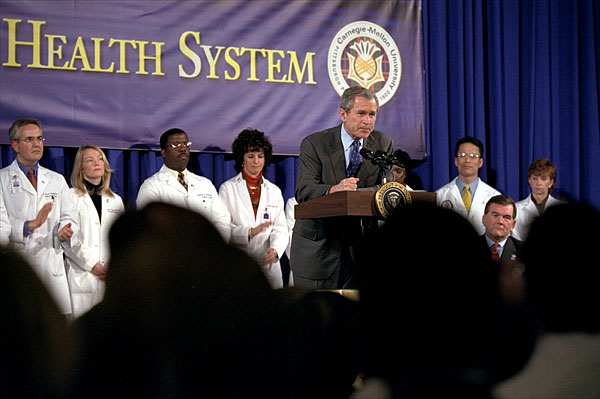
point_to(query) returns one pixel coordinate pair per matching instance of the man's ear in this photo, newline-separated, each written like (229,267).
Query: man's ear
(343,115)
(163,152)
(14,146)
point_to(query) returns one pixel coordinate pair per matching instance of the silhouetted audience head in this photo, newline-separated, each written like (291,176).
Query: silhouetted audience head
(428,299)
(561,270)
(37,346)
(322,343)
(184,313)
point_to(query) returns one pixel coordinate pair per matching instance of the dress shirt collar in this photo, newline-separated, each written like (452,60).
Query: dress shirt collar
(472,186)
(25,169)
(347,143)
(175,173)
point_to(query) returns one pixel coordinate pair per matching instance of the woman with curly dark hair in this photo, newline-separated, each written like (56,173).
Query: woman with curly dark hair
(258,223)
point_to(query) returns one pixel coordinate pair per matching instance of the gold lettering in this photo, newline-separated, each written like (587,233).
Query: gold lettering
(212,61)
(307,66)
(55,52)
(253,52)
(122,52)
(13,42)
(274,66)
(143,57)
(80,54)
(97,58)
(231,62)
(185,50)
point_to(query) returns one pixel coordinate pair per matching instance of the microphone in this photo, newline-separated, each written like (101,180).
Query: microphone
(378,157)
(393,160)
(367,154)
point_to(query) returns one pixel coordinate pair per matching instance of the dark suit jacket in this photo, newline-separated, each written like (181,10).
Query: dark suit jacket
(317,244)
(511,250)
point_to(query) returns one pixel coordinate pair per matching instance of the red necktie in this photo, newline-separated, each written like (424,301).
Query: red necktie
(495,255)
(32,179)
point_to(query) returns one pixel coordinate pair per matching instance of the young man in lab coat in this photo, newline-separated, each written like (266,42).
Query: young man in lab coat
(40,209)
(176,185)
(467,194)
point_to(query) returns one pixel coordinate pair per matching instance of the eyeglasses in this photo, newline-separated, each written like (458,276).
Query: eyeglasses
(30,139)
(471,155)
(179,145)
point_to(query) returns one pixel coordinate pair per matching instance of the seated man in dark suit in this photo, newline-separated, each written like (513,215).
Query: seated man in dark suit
(499,219)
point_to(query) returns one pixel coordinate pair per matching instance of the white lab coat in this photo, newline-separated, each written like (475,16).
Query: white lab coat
(4,223)
(449,197)
(89,247)
(201,197)
(235,195)
(42,248)
(290,216)
(527,212)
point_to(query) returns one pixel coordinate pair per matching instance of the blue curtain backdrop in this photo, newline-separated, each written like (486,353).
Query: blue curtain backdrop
(522,76)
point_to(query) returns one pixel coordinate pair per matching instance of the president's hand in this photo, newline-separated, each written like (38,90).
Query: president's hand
(348,184)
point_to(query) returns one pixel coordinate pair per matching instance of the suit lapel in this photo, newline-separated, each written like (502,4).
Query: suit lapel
(335,150)
(368,169)
(508,251)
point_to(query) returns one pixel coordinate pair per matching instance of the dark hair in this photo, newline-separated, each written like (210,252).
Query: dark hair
(501,200)
(35,338)
(561,274)
(469,139)
(543,166)
(250,140)
(350,94)
(409,295)
(13,130)
(403,157)
(165,136)
(212,315)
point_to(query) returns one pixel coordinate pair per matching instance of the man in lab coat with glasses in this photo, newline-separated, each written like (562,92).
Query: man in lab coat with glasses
(467,194)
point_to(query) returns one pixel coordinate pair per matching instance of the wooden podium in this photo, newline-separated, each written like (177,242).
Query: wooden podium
(349,203)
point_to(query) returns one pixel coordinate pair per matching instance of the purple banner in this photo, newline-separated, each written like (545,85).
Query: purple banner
(117,74)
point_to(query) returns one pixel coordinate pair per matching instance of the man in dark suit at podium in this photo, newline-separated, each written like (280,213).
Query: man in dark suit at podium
(499,219)
(323,250)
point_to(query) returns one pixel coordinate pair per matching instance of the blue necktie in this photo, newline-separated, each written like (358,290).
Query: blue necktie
(355,160)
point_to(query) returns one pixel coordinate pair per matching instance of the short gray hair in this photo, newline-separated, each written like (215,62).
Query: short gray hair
(350,94)
(13,130)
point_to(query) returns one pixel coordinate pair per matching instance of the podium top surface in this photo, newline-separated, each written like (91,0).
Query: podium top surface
(348,203)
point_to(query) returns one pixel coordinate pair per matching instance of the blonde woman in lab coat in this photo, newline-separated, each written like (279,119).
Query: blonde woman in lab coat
(258,222)
(97,208)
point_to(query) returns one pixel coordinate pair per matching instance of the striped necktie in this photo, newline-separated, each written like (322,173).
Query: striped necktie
(181,179)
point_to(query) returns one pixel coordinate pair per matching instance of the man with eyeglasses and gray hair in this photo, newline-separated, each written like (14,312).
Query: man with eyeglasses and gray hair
(40,209)
(176,185)
(467,194)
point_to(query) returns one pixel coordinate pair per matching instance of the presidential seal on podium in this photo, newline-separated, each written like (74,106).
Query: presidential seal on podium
(389,196)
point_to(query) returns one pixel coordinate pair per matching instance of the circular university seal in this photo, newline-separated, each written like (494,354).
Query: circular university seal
(364,54)
(389,196)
